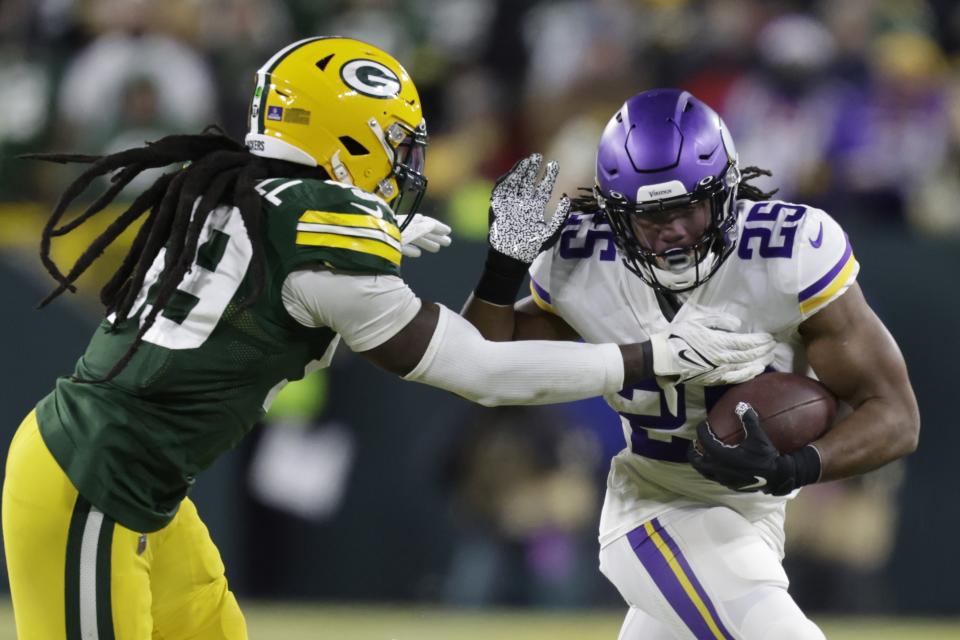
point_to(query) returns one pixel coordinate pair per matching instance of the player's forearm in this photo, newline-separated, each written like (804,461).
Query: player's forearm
(500,323)
(879,431)
(493,321)
(460,360)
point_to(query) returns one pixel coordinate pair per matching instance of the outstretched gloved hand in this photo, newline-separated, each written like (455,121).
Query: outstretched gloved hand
(517,207)
(422,232)
(518,231)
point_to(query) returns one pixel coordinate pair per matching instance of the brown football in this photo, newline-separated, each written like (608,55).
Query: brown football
(794,410)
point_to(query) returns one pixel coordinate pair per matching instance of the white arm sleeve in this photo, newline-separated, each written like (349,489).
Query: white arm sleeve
(460,360)
(367,310)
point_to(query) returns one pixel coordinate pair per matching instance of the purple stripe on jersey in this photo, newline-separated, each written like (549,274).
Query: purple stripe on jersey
(541,292)
(657,565)
(823,282)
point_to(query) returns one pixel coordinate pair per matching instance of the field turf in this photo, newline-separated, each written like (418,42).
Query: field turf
(399,622)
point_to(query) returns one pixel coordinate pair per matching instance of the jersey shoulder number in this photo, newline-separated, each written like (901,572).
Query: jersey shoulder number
(584,238)
(806,251)
(331,223)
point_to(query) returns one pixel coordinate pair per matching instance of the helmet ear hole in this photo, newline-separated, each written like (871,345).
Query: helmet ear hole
(353,147)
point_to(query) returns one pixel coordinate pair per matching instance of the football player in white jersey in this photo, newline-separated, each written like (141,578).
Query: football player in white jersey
(694,541)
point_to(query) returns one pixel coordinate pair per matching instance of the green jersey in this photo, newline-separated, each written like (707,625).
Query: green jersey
(208,368)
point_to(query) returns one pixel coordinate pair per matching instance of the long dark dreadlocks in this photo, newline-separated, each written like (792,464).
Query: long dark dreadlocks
(750,191)
(586,202)
(214,168)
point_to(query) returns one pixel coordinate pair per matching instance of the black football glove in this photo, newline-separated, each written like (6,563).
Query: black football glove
(754,464)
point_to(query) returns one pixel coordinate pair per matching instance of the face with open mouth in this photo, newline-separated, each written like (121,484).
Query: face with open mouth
(672,234)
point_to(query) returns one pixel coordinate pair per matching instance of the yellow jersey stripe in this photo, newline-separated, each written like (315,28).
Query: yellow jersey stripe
(688,587)
(356,232)
(352,220)
(841,280)
(362,245)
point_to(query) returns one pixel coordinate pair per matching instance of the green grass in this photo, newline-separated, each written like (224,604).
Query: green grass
(324,622)
(397,622)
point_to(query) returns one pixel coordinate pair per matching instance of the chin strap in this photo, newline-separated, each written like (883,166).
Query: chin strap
(340,172)
(387,188)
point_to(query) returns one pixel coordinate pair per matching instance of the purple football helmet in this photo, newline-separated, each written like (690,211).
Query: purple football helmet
(663,155)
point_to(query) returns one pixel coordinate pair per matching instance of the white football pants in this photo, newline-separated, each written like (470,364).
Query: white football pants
(705,574)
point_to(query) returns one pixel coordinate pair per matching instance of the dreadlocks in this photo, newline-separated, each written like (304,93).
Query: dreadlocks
(214,170)
(750,191)
(586,202)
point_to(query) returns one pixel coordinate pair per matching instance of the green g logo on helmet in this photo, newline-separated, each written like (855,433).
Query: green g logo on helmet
(370,78)
(346,106)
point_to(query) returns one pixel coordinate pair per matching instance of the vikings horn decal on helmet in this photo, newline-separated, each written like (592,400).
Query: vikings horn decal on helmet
(348,107)
(665,155)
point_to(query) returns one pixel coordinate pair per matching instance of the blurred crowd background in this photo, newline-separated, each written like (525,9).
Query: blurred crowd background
(854,106)
(851,104)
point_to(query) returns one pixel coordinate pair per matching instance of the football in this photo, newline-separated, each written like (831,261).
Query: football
(794,410)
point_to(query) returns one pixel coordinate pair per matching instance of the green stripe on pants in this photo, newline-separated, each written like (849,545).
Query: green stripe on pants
(87,580)
(72,578)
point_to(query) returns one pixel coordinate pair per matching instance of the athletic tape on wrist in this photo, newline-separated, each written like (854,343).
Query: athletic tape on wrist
(501,279)
(808,465)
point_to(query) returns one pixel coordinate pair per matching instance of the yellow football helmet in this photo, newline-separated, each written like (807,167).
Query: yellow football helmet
(346,106)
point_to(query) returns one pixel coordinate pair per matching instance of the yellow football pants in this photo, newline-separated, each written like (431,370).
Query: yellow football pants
(75,573)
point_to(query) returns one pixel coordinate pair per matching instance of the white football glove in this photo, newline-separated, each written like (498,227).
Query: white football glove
(423,232)
(517,206)
(706,351)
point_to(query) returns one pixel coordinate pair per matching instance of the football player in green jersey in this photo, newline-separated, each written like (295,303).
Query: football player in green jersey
(252,262)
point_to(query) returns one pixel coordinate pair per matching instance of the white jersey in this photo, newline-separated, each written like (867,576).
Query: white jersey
(790,261)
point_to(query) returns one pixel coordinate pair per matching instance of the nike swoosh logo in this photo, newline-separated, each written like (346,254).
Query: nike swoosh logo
(760,483)
(375,211)
(816,242)
(683,356)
